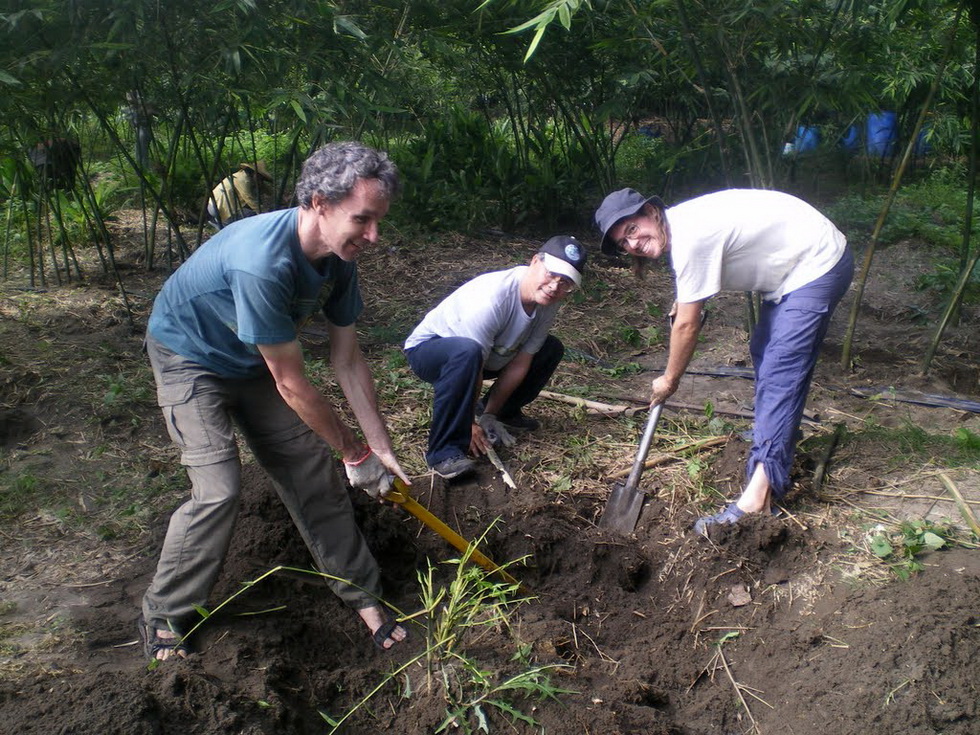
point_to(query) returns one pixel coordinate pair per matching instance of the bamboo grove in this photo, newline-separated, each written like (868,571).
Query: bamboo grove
(509,115)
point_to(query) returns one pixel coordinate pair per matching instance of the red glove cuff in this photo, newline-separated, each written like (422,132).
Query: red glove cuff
(367,453)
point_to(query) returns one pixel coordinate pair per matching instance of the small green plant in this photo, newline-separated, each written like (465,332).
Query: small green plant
(652,335)
(967,439)
(630,335)
(912,443)
(901,549)
(626,368)
(471,607)
(695,466)
(455,617)
(18,494)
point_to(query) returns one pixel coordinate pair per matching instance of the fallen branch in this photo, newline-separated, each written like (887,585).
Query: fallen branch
(665,458)
(620,409)
(605,409)
(965,509)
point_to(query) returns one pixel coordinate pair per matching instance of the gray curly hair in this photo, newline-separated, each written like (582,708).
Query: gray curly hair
(333,170)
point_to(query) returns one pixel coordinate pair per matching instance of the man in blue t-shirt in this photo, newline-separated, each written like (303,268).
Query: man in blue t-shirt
(223,341)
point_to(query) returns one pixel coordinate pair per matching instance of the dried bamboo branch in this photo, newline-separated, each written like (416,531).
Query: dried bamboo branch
(606,409)
(738,689)
(965,509)
(665,458)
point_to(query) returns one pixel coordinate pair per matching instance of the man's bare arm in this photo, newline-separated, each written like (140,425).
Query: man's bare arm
(355,379)
(683,341)
(285,362)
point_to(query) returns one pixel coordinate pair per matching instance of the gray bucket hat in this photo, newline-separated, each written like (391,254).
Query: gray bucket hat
(616,206)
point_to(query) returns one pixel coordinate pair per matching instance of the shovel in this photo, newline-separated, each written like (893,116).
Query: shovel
(401,495)
(626,499)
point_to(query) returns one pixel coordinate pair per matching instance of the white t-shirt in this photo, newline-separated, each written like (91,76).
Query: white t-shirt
(749,240)
(488,310)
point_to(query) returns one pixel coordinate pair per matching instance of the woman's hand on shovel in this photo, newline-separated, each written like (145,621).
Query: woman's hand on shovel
(661,389)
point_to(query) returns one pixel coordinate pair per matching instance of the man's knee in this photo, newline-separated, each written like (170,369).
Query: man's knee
(452,358)
(465,352)
(217,483)
(552,351)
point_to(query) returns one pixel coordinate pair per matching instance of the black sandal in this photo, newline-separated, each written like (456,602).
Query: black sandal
(153,643)
(384,631)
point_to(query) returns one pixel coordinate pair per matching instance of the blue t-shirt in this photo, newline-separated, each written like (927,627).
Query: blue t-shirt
(250,285)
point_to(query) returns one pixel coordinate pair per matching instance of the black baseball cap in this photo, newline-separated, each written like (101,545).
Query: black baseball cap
(565,255)
(617,206)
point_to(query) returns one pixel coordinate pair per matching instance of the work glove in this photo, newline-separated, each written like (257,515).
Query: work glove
(495,431)
(369,474)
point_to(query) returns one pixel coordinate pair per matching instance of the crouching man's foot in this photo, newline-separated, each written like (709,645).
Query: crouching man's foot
(385,631)
(453,467)
(519,422)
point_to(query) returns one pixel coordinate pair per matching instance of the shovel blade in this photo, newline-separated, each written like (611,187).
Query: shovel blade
(622,509)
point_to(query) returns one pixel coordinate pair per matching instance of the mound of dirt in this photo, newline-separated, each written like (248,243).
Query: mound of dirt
(777,625)
(655,634)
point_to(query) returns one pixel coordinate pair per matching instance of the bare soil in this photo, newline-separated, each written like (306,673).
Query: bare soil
(782,624)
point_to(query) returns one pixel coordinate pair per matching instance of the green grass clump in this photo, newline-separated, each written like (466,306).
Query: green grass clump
(912,443)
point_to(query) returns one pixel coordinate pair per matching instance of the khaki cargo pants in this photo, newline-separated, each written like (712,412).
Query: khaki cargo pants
(201,410)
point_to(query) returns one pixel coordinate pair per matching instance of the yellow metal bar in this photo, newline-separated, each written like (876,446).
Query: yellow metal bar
(401,495)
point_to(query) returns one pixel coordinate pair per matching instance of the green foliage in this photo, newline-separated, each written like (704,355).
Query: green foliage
(630,335)
(19,493)
(902,548)
(967,439)
(456,617)
(471,607)
(187,184)
(125,388)
(930,211)
(944,278)
(618,371)
(455,172)
(645,163)
(465,171)
(912,443)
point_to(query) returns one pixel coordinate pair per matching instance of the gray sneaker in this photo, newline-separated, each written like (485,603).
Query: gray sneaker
(453,467)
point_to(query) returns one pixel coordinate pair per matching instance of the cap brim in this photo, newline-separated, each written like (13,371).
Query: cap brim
(562,268)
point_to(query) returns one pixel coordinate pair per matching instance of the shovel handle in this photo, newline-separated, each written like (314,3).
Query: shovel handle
(401,495)
(641,454)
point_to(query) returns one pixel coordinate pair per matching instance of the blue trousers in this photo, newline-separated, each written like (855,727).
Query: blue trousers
(784,348)
(454,367)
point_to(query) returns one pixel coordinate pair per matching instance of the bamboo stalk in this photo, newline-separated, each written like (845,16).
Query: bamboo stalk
(845,359)
(619,409)
(965,509)
(952,312)
(604,408)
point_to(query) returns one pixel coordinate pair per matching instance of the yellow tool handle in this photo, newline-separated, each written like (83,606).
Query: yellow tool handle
(401,495)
